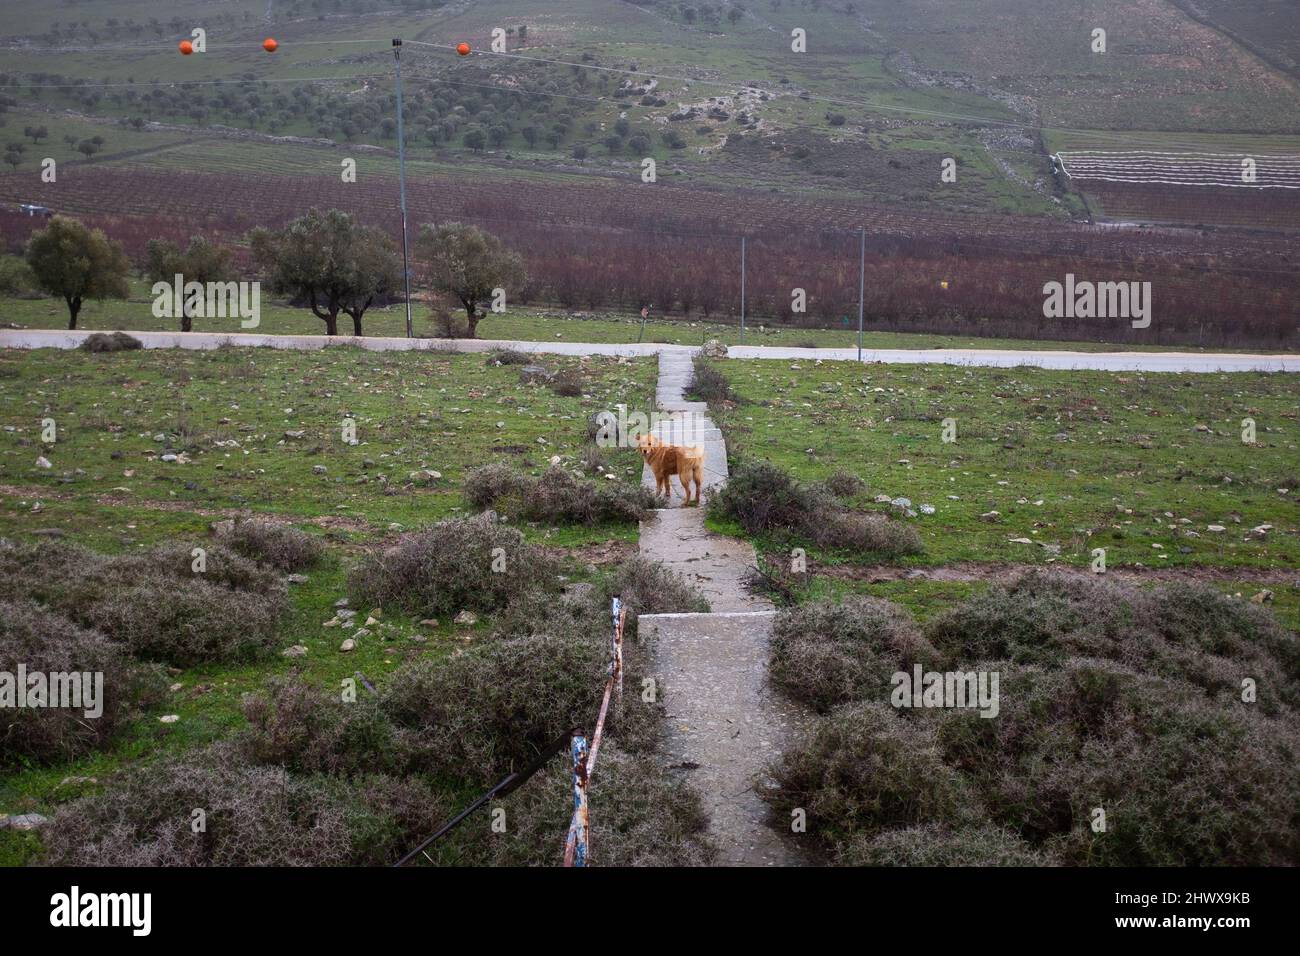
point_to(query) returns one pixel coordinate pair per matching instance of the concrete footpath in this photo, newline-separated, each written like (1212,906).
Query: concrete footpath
(993,358)
(724,723)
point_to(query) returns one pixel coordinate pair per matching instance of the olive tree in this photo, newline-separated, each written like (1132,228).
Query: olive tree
(202,261)
(332,262)
(468,263)
(78,263)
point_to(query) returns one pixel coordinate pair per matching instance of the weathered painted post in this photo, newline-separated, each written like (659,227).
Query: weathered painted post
(616,665)
(575,848)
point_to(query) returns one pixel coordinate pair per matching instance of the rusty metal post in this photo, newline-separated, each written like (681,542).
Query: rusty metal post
(575,847)
(618,612)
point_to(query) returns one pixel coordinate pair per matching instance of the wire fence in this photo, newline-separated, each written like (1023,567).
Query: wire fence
(582,752)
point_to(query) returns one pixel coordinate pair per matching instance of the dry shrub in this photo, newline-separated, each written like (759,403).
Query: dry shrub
(46,642)
(110,342)
(1183,781)
(648,587)
(254,816)
(300,727)
(486,485)
(559,496)
(1110,697)
(1185,632)
(492,708)
(764,498)
(828,654)
(845,484)
(708,384)
(508,357)
(449,567)
(556,496)
(594,460)
(153,602)
(280,546)
(643,818)
(585,616)
(863,534)
(567,384)
(930,845)
(865,770)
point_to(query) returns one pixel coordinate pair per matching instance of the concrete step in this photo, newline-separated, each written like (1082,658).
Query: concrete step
(715,564)
(725,722)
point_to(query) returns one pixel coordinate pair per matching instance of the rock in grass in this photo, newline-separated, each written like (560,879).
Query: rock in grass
(466,619)
(296,650)
(23,821)
(348,646)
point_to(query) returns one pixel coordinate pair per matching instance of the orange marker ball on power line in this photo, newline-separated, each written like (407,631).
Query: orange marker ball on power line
(187,47)
(463,49)
(269,45)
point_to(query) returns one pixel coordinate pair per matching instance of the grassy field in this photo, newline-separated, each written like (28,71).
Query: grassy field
(528,325)
(225,414)
(1046,467)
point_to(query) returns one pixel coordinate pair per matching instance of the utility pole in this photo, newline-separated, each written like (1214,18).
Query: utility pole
(742,290)
(862,284)
(401,177)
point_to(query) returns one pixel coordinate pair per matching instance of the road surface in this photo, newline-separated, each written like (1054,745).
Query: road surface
(993,358)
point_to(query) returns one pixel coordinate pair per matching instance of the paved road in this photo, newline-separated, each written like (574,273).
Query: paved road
(998,358)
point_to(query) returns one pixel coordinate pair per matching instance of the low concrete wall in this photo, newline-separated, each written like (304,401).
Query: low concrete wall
(995,358)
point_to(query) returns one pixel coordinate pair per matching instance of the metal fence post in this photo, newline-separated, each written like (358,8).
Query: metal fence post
(616,665)
(742,290)
(401,178)
(575,847)
(862,285)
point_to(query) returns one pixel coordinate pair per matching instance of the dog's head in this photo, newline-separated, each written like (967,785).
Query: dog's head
(647,443)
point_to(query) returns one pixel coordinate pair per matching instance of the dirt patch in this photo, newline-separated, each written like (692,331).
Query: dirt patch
(967,571)
(602,554)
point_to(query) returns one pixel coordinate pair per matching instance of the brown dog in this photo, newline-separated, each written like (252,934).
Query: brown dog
(668,460)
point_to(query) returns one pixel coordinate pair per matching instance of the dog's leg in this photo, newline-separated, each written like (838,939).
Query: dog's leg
(685,480)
